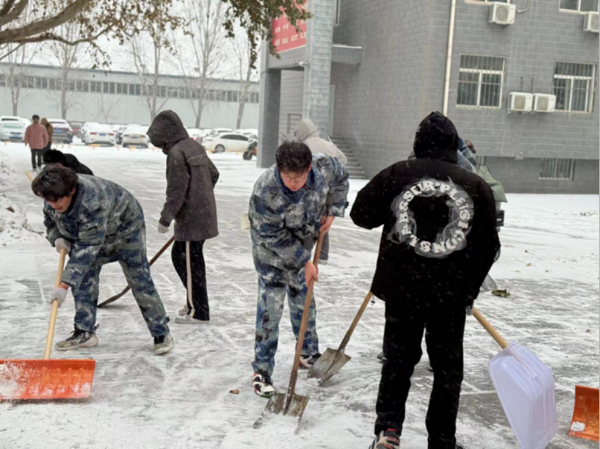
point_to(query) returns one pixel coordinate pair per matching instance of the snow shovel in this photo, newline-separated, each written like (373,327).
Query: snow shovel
(333,361)
(47,379)
(126,289)
(585,416)
(292,404)
(525,387)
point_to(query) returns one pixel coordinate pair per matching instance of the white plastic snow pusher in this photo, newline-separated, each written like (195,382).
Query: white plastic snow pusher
(525,387)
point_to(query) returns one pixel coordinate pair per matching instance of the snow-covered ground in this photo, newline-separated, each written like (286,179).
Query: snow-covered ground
(549,263)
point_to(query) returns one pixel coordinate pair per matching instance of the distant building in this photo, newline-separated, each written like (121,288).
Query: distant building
(368,72)
(121,97)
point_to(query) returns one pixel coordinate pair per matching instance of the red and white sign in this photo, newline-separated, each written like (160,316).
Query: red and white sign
(285,35)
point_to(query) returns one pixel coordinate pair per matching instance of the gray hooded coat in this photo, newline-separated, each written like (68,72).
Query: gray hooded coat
(191,177)
(307,132)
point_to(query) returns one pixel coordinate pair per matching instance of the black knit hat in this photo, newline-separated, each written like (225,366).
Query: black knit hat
(436,138)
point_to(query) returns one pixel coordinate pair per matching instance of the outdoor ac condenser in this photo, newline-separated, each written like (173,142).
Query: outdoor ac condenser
(544,103)
(503,13)
(520,102)
(592,22)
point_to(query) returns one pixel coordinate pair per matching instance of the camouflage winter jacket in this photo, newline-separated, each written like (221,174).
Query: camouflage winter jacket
(101,212)
(285,224)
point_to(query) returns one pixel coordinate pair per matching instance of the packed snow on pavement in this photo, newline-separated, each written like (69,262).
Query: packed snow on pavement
(549,264)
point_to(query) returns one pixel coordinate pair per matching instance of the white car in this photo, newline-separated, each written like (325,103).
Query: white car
(100,135)
(135,136)
(12,129)
(84,131)
(218,131)
(226,142)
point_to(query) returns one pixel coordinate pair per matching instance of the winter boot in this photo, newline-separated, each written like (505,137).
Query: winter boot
(77,339)
(163,344)
(263,385)
(307,361)
(388,439)
(187,319)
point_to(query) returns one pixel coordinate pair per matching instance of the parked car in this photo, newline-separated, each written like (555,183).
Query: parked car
(218,131)
(25,121)
(135,136)
(98,134)
(62,130)
(85,129)
(76,128)
(11,129)
(226,142)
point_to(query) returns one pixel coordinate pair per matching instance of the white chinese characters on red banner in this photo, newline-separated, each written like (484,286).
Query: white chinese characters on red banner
(285,35)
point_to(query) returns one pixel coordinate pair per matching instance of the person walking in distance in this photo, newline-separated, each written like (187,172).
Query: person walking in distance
(306,131)
(50,130)
(191,178)
(292,202)
(438,244)
(36,137)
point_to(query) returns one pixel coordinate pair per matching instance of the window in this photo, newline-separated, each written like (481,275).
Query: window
(121,88)
(582,6)
(480,81)
(83,86)
(557,169)
(52,84)
(173,92)
(95,86)
(575,86)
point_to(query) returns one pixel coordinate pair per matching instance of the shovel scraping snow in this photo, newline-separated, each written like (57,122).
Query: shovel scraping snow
(586,414)
(47,379)
(526,390)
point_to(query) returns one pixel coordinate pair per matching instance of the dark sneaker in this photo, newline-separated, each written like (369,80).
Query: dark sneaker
(77,339)
(263,385)
(388,439)
(163,344)
(306,362)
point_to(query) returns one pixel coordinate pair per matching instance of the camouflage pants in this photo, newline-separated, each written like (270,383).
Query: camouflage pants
(131,255)
(271,297)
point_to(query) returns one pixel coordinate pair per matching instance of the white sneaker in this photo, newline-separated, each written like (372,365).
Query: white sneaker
(263,386)
(184,310)
(163,344)
(187,319)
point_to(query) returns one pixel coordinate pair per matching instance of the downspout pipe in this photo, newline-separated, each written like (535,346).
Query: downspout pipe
(449,57)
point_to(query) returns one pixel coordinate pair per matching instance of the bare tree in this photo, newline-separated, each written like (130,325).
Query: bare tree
(66,58)
(15,71)
(245,72)
(108,103)
(207,39)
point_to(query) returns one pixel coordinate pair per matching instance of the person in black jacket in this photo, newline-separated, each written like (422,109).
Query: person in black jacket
(438,244)
(66,160)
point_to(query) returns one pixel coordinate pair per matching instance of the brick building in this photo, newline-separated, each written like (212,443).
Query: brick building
(369,71)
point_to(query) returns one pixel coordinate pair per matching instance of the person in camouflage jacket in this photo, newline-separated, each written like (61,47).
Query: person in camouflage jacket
(291,203)
(98,222)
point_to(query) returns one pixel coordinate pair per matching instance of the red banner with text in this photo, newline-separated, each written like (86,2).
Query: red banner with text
(285,35)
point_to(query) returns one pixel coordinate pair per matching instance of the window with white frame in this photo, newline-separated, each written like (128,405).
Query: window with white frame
(480,81)
(582,6)
(575,86)
(557,170)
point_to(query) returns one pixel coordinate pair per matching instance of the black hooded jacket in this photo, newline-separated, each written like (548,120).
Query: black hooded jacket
(66,160)
(439,223)
(191,177)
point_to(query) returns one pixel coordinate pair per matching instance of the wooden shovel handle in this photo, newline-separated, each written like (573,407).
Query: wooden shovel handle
(488,327)
(52,325)
(359,315)
(303,326)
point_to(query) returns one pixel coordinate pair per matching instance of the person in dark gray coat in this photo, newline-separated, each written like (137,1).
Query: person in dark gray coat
(191,177)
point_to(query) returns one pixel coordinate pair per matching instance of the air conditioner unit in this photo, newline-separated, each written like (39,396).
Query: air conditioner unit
(520,102)
(544,103)
(503,13)
(591,23)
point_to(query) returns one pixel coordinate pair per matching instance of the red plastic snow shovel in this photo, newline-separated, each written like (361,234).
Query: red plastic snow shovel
(47,379)
(586,415)
(525,387)
(333,361)
(126,289)
(292,404)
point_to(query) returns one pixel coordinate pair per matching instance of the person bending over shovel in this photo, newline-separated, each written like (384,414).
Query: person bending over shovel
(291,203)
(98,222)
(438,244)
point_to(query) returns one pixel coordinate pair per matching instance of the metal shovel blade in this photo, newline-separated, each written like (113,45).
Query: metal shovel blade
(277,405)
(328,364)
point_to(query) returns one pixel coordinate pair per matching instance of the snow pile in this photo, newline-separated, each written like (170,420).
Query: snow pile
(14,226)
